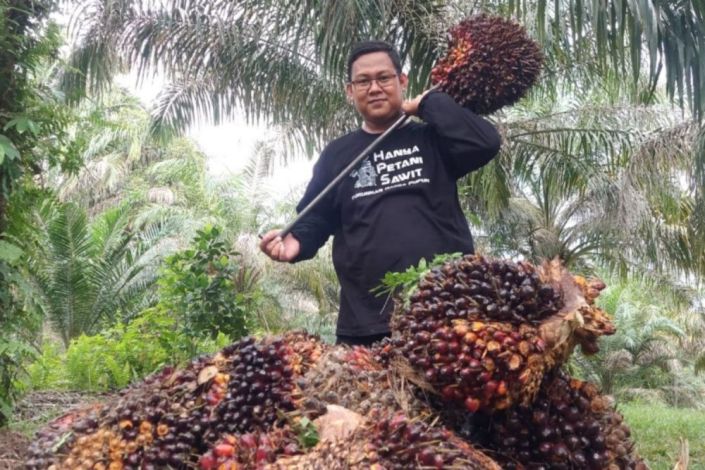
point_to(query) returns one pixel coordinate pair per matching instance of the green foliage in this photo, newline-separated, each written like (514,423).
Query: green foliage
(119,355)
(48,370)
(83,274)
(404,283)
(207,289)
(643,357)
(17,327)
(33,137)
(307,433)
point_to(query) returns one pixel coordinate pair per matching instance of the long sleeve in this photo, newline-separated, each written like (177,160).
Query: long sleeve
(313,230)
(466,140)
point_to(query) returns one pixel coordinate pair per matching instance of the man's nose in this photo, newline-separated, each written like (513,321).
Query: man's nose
(374,87)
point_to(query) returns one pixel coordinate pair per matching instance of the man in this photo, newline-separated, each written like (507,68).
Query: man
(401,204)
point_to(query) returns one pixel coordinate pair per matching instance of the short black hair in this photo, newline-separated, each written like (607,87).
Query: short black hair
(367,47)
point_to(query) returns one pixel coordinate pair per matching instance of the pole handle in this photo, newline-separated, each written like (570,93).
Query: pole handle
(351,166)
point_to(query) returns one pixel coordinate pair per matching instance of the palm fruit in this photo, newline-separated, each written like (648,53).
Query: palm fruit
(250,450)
(354,378)
(480,288)
(173,416)
(481,365)
(490,63)
(392,441)
(570,425)
(59,431)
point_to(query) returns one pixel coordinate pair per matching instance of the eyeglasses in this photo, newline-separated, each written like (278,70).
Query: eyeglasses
(364,84)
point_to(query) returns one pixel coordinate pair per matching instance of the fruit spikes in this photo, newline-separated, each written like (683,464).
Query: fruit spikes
(490,63)
(355,379)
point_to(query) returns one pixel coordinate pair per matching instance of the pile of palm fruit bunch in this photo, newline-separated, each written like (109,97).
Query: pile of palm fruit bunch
(490,62)
(474,363)
(176,415)
(488,337)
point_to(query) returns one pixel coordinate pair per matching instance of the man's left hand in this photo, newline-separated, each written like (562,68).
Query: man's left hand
(411,107)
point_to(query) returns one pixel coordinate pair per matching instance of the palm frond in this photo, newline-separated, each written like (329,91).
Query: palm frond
(615,33)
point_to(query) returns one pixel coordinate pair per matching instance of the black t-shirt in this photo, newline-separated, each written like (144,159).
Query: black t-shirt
(398,206)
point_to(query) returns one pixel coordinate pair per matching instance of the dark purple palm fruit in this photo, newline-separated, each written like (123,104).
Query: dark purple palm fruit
(570,425)
(491,62)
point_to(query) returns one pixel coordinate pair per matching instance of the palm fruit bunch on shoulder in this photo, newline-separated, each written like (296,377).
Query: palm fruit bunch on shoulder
(387,441)
(355,379)
(490,62)
(483,332)
(570,425)
(173,416)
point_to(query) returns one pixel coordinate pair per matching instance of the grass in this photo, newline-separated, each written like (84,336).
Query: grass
(656,429)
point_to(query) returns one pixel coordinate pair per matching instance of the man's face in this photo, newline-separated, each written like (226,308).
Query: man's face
(379,104)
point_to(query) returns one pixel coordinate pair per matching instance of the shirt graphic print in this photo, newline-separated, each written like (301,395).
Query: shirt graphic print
(389,169)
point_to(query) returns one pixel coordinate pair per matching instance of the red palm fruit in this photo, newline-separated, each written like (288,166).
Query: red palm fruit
(248,441)
(224,450)
(472,404)
(207,461)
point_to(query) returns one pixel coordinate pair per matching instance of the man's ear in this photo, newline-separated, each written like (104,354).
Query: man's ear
(349,93)
(403,81)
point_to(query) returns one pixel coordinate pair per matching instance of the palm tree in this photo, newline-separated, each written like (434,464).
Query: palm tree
(275,60)
(590,177)
(646,356)
(83,275)
(284,61)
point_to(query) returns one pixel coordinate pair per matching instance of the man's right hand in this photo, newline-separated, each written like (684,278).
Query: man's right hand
(280,249)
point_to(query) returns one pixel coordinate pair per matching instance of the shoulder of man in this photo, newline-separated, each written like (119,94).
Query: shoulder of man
(340,145)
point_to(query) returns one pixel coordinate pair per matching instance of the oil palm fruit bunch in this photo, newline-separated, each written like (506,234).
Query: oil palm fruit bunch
(392,441)
(483,332)
(479,364)
(471,329)
(490,63)
(570,425)
(173,416)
